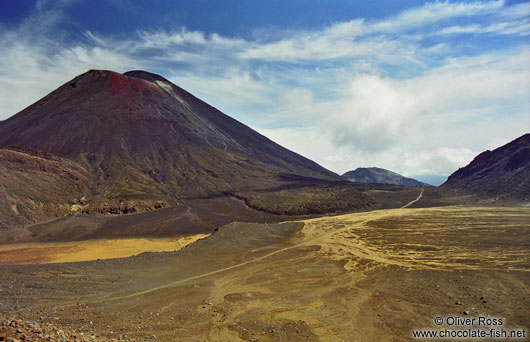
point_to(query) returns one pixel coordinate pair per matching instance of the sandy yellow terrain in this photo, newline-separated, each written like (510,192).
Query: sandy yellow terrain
(431,238)
(373,276)
(39,253)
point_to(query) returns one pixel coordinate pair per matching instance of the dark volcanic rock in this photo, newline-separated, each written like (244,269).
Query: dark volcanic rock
(381,176)
(503,173)
(35,187)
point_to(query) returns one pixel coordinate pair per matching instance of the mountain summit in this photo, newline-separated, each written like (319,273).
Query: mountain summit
(139,139)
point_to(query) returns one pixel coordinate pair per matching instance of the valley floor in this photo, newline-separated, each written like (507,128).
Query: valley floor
(374,276)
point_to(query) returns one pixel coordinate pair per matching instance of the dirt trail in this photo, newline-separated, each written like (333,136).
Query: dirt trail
(414,201)
(199,276)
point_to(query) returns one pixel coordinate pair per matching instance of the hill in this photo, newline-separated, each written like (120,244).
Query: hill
(381,176)
(503,173)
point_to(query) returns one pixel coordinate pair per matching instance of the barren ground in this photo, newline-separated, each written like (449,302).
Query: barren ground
(372,276)
(54,252)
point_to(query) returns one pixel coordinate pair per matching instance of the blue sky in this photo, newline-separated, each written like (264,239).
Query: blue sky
(417,87)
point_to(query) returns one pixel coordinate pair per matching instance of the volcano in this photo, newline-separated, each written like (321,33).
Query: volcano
(141,142)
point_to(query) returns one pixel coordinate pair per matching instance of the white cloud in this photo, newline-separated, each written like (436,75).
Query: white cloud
(516,11)
(387,40)
(435,12)
(374,113)
(165,40)
(520,27)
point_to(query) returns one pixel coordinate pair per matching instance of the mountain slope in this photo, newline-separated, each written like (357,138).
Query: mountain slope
(35,187)
(501,173)
(381,176)
(146,143)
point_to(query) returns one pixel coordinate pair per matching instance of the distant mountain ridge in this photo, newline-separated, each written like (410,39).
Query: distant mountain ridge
(380,176)
(503,173)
